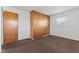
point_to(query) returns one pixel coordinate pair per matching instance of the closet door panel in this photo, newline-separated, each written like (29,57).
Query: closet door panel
(36,25)
(10,27)
(46,24)
(39,24)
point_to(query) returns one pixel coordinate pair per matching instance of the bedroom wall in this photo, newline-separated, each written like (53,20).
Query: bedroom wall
(70,29)
(23,22)
(0,28)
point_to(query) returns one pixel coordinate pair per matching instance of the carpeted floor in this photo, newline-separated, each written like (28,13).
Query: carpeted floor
(49,44)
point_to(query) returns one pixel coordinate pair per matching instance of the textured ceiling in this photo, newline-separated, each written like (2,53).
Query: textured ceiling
(49,10)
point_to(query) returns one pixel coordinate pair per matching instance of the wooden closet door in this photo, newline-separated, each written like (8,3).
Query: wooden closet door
(46,25)
(36,22)
(10,27)
(39,24)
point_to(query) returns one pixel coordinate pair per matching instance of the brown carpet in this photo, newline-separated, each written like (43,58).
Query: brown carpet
(49,44)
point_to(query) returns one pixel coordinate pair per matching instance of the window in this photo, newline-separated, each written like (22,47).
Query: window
(61,21)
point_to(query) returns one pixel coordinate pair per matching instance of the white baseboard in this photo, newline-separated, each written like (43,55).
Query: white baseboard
(67,37)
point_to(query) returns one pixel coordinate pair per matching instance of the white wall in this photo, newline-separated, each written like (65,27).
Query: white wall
(71,29)
(23,22)
(24,25)
(0,28)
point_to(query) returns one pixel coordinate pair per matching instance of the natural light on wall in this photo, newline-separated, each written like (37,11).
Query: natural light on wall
(61,21)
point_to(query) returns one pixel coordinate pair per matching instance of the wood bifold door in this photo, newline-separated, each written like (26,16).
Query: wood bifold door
(40,24)
(10,27)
